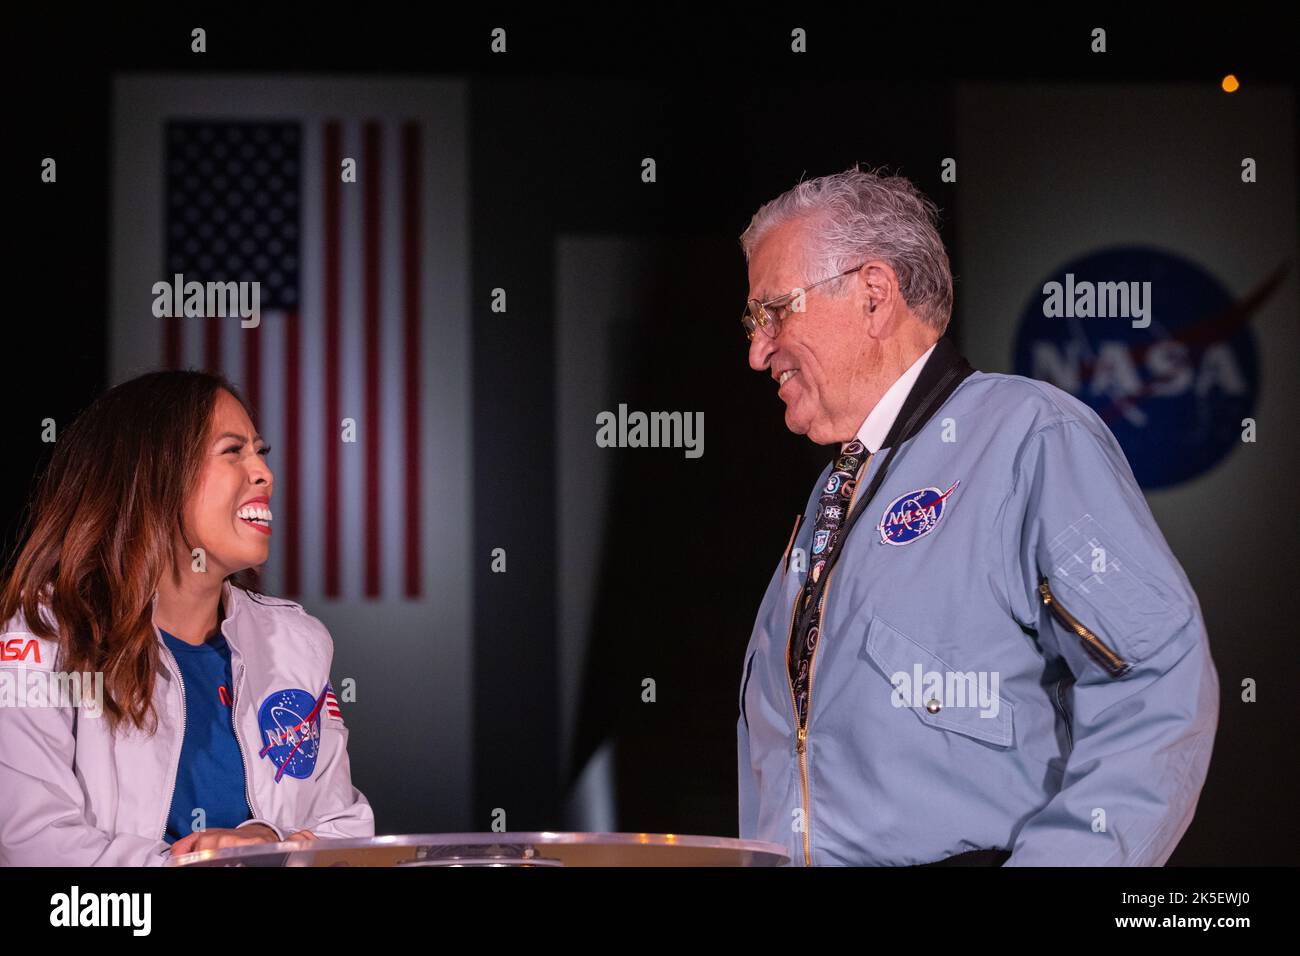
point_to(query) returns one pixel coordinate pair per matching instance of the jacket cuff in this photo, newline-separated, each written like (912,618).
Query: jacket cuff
(266,823)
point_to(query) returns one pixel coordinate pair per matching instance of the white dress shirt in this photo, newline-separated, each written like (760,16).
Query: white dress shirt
(877,424)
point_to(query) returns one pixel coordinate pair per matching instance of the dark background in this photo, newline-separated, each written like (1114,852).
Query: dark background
(553,127)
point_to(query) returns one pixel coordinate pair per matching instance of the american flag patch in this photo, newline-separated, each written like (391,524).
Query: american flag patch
(332,704)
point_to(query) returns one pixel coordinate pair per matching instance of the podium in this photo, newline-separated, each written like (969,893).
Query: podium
(501,849)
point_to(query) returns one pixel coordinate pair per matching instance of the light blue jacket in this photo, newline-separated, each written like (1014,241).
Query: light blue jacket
(1043,569)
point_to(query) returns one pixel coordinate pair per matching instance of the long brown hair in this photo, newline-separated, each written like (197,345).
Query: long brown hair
(102,527)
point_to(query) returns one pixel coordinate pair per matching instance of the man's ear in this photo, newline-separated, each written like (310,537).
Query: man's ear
(879,282)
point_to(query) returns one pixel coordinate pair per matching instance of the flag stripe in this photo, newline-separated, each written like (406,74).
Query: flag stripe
(212,343)
(230,354)
(411,215)
(309,354)
(331,155)
(172,342)
(350,384)
(253,369)
(267,382)
(192,339)
(392,390)
(292,437)
(371,424)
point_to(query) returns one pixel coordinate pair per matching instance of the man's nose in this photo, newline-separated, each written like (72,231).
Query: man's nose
(760,350)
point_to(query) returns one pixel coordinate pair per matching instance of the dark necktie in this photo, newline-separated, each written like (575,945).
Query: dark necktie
(832,511)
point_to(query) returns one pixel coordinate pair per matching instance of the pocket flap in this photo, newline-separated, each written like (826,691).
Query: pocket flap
(901,660)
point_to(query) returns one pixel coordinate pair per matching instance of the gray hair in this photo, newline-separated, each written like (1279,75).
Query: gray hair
(856,216)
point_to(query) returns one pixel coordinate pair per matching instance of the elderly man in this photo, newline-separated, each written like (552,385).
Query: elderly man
(1011,665)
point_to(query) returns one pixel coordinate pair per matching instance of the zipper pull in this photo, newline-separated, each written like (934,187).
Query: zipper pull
(801,744)
(1095,647)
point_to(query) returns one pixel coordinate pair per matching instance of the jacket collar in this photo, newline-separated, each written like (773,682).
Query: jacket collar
(232,600)
(944,370)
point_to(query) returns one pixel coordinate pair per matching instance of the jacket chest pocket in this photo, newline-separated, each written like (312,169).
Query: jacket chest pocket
(940,695)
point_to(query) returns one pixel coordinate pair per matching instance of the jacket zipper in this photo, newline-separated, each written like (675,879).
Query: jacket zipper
(234,703)
(243,756)
(180,682)
(800,733)
(801,740)
(1111,662)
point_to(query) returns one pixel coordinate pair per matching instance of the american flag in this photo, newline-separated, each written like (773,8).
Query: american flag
(332,704)
(339,270)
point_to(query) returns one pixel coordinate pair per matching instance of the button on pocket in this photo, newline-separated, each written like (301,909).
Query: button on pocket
(892,652)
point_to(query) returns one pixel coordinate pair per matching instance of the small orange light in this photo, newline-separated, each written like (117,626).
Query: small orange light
(1230,84)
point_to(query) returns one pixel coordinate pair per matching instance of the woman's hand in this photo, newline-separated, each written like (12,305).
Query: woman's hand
(219,839)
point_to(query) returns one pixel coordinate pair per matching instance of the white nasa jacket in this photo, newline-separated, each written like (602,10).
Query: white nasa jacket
(76,795)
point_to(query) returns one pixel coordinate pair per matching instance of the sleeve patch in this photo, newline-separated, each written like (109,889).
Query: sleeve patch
(1105,584)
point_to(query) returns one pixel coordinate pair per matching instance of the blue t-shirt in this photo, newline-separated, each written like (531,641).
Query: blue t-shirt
(211,771)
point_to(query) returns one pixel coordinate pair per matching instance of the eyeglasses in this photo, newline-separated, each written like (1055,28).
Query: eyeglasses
(757,315)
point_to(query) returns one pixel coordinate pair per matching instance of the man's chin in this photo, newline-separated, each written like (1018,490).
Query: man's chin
(815,431)
(815,434)
(798,426)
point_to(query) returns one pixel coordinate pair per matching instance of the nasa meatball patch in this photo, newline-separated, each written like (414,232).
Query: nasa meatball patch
(913,515)
(290,724)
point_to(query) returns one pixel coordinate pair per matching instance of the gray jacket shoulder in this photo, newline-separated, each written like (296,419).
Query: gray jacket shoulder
(1027,404)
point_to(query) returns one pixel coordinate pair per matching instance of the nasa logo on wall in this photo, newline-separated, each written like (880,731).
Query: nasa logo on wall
(290,725)
(1168,360)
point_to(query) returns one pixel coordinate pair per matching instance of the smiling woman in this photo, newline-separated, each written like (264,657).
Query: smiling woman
(234,491)
(139,562)
(144,483)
